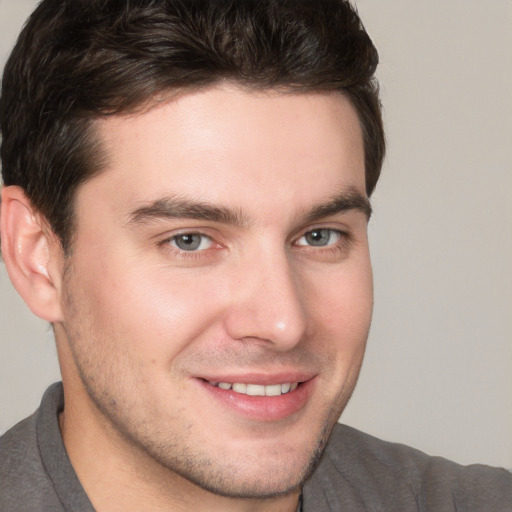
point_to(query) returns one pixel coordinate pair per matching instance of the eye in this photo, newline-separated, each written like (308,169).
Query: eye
(191,242)
(321,237)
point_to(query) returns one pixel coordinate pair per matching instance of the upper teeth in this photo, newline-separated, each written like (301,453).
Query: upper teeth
(257,389)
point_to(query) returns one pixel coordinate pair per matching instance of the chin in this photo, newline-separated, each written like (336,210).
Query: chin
(253,484)
(264,472)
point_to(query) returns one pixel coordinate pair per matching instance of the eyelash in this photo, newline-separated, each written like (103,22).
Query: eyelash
(184,254)
(332,248)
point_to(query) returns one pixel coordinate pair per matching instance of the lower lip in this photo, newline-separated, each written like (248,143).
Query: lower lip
(262,408)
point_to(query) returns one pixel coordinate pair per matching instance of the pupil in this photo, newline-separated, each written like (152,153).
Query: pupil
(188,242)
(318,237)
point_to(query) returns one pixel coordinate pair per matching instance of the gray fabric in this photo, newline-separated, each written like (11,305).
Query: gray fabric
(357,473)
(35,472)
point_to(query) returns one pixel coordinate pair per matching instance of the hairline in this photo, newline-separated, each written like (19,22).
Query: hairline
(99,152)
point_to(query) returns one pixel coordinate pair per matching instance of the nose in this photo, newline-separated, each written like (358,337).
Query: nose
(267,303)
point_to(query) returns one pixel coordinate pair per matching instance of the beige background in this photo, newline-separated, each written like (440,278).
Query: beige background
(438,368)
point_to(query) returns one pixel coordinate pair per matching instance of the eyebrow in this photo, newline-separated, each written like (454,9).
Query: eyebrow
(350,199)
(182,208)
(175,207)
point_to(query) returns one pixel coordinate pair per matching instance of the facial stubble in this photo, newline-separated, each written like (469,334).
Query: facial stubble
(167,451)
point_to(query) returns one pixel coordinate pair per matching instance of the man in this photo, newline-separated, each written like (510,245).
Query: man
(186,199)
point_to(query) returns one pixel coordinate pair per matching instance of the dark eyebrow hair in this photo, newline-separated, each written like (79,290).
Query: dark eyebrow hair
(181,208)
(175,207)
(350,199)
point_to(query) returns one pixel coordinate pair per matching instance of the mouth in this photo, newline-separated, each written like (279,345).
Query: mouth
(257,389)
(261,398)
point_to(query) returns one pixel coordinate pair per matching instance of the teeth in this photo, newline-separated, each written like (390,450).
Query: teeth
(239,388)
(285,388)
(274,390)
(257,389)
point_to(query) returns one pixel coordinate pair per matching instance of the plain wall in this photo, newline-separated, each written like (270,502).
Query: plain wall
(437,374)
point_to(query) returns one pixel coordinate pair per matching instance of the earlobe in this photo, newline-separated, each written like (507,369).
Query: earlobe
(31,253)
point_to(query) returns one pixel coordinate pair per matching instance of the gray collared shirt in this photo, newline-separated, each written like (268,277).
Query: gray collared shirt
(357,473)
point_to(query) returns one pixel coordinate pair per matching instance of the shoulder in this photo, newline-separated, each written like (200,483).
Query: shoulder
(19,452)
(24,482)
(366,472)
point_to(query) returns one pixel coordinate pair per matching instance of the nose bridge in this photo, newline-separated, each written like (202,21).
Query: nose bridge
(267,301)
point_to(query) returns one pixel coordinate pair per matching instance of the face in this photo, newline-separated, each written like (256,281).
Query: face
(218,297)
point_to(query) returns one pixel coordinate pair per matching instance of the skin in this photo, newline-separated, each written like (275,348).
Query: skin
(142,324)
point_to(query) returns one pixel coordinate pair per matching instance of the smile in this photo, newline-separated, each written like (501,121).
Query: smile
(257,389)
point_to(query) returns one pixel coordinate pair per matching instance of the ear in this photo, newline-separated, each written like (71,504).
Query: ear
(32,254)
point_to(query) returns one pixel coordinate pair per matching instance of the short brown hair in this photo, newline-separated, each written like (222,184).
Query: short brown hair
(77,60)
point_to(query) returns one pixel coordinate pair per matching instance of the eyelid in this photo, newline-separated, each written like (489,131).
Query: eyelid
(165,239)
(341,235)
(173,240)
(187,230)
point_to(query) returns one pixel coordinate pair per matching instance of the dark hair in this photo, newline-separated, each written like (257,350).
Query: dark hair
(77,60)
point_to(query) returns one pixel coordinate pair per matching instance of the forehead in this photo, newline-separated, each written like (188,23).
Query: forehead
(224,144)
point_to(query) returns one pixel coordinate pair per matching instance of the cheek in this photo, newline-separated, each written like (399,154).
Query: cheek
(342,312)
(345,302)
(153,309)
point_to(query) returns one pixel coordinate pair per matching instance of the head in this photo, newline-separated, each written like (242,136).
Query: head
(79,61)
(200,174)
